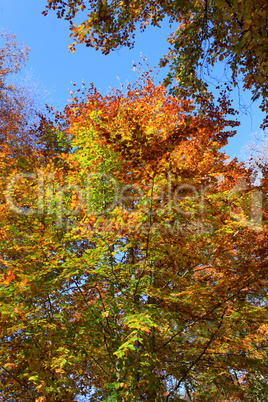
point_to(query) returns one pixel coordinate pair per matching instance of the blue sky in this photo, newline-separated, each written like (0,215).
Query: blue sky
(53,68)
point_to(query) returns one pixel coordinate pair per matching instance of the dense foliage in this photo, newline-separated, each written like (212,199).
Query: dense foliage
(133,256)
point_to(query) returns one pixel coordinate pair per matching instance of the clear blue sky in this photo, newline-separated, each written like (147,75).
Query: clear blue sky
(54,68)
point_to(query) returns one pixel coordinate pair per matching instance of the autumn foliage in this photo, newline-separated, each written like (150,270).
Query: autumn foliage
(229,31)
(133,255)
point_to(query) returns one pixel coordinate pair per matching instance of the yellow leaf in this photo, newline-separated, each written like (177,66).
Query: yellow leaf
(105,313)
(23,282)
(145,329)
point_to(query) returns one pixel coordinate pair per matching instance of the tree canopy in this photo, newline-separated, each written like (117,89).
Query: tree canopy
(232,31)
(135,262)
(134,253)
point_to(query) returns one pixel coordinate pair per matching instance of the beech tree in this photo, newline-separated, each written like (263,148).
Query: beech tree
(135,261)
(233,31)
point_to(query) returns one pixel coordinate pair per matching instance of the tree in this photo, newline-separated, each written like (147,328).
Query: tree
(231,30)
(27,144)
(19,114)
(141,276)
(12,58)
(256,152)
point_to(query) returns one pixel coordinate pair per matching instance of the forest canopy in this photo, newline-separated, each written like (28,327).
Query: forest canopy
(134,258)
(134,255)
